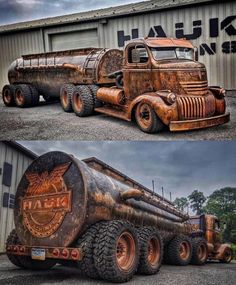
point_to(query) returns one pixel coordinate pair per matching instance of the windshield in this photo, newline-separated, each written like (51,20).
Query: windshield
(172,53)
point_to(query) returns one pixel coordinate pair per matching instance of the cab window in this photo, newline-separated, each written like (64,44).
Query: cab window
(141,50)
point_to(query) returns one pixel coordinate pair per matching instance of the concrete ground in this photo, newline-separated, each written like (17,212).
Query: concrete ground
(212,273)
(50,122)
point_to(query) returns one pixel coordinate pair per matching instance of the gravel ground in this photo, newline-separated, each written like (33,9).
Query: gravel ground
(49,122)
(210,274)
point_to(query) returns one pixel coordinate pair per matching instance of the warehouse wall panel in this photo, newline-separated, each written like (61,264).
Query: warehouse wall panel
(19,163)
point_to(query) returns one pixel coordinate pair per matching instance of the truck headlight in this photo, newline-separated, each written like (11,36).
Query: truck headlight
(171,98)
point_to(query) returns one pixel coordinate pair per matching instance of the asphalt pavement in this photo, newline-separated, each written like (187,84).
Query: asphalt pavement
(212,273)
(49,122)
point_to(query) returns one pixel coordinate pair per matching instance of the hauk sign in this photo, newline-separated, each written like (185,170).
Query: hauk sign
(216,26)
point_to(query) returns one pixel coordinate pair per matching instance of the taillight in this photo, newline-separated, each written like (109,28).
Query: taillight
(56,252)
(74,254)
(22,249)
(65,253)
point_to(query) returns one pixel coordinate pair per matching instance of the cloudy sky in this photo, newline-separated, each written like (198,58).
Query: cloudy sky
(180,167)
(13,11)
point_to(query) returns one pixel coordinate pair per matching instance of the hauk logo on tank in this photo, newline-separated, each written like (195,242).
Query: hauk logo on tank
(46,202)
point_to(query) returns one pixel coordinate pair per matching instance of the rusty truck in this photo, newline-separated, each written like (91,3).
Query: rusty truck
(88,215)
(157,82)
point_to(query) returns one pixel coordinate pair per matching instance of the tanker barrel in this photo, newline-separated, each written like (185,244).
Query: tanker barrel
(155,201)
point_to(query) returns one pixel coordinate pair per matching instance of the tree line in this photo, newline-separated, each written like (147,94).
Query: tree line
(221,203)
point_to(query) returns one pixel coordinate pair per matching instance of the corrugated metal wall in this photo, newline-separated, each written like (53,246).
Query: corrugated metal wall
(13,46)
(19,164)
(221,66)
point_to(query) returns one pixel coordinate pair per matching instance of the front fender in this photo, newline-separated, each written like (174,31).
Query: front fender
(221,250)
(165,112)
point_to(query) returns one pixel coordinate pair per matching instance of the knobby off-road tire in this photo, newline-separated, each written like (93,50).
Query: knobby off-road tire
(151,251)
(66,94)
(228,256)
(94,90)
(147,119)
(179,251)
(87,243)
(82,101)
(116,253)
(34,95)
(26,261)
(200,251)
(8,92)
(23,96)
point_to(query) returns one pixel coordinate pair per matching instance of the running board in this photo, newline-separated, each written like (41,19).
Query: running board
(113,113)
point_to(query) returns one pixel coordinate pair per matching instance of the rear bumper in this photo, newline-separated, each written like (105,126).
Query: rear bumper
(176,126)
(63,253)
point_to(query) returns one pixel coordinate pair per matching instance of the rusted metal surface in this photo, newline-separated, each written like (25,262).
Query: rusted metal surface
(112,96)
(49,71)
(43,198)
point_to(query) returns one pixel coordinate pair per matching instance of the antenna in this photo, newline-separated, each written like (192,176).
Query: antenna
(153,186)
(170,197)
(162,191)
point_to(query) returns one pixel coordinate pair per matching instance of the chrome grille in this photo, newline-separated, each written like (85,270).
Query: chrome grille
(191,107)
(195,88)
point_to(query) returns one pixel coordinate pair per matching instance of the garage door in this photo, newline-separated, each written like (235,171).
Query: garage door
(73,40)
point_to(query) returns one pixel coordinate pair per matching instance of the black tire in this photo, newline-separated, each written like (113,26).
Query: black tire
(26,261)
(94,90)
(173,251)
(23,97)
(82,101)
(34,95)
(228,256)
(108,256)
(151,251)
(147,120)
(12,240)
(119,81)
(66,93)
(87,243)
(8,92)
(200,251)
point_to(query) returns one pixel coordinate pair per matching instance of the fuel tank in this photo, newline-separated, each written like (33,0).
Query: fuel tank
(59,197)
(49,71)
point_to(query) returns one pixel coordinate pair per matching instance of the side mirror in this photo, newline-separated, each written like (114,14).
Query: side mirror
(135,56)
(196,55)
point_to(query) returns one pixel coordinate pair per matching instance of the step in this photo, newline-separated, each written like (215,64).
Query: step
(113,112)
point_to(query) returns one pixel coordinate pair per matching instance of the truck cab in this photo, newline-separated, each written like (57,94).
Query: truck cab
(209,228)
(162,84)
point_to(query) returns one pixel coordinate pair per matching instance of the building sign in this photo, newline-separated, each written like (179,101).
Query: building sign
(216,26)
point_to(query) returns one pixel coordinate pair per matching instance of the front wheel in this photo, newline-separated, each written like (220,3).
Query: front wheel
(227,255)
(147,119)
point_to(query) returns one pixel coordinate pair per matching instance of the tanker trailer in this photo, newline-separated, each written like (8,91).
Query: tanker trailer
(55,75)
(87,214)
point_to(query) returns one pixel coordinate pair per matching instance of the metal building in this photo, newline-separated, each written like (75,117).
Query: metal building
(209,24)
(14,159)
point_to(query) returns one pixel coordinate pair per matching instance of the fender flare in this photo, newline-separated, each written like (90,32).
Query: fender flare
(166,113)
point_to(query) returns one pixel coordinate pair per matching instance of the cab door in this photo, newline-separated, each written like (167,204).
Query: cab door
(137,72)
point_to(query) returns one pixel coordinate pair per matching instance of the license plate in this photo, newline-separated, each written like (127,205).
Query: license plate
(38,253)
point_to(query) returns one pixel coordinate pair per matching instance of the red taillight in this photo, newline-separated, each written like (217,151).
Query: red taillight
(22,249)
(65,253)
(15,249)
(56,252)
(74,254)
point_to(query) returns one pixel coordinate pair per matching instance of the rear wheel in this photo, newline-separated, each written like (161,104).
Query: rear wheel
(82,101)
(200,252)
(147,119)
(179,251)
(26,261)
(34,95)
(23,97)
(151,251)
(66,93)
(8,92)
(116,251)
(227,256)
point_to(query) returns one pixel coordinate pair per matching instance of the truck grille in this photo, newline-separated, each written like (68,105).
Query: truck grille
(191,107)
(195,88)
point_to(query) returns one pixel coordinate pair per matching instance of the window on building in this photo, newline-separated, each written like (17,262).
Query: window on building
(7,174)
